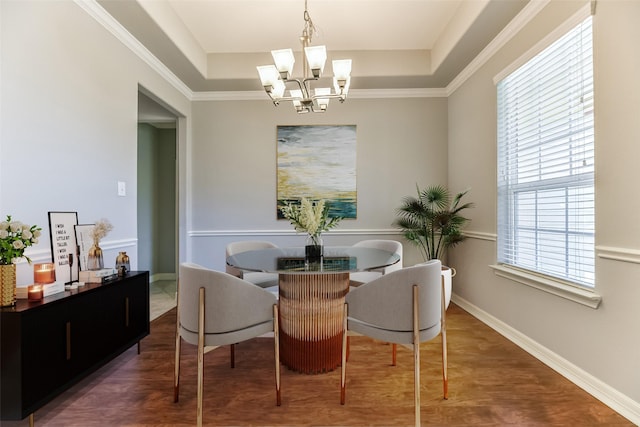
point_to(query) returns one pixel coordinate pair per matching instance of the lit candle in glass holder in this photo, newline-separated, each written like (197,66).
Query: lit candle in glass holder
(35,293)
(44,273)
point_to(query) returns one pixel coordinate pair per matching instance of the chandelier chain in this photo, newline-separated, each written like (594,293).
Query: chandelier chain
(309,29)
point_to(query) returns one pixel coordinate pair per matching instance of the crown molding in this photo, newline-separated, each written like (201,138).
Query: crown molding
(114,27)
(259,95)
(98,13)
(518,23)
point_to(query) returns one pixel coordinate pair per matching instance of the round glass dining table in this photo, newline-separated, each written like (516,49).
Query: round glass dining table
(311,298)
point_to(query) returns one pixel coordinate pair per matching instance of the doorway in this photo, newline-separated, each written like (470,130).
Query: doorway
(157,205)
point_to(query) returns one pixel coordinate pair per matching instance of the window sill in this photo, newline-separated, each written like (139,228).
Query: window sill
(547,284)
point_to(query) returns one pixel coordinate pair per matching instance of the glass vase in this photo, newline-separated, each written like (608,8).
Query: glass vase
(94,258)
(122,263)
(313,252)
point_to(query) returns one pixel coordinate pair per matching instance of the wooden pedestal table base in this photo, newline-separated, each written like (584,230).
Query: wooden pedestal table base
(311,316)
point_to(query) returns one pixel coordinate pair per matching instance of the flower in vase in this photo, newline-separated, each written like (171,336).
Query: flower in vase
(100,230)
(310,217)
(15,237)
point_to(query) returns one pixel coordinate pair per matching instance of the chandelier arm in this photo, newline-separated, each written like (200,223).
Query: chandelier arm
(330,95)
(303,88)
(307,89)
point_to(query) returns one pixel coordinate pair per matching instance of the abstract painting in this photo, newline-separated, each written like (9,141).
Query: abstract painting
(318,162)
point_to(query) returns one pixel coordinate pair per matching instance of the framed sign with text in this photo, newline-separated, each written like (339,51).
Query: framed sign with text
(63,245)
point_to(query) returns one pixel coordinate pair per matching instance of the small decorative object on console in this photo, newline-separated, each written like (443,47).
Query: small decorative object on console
(122,260)
(98,276)
(35,293)
(94,257)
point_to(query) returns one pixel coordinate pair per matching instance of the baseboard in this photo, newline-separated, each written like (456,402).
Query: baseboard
(162,276)
(611,397)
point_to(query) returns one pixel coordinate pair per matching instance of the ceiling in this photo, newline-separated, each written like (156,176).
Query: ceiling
(215,45)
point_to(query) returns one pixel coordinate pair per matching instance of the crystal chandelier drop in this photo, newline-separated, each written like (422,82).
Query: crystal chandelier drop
(274,78)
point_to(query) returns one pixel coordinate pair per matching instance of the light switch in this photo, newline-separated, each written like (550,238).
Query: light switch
(122,188)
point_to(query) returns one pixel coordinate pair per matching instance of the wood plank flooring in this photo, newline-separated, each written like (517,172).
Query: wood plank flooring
(492,382)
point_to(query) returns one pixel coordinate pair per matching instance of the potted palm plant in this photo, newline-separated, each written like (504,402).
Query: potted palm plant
(433,222)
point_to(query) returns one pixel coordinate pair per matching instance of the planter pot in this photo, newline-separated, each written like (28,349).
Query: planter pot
(447,274)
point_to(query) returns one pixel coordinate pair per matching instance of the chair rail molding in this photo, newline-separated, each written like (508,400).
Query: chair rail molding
(290,232)
(480,235)
(618,254)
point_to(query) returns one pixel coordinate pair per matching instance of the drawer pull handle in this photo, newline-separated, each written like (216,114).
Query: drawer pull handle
(126,308)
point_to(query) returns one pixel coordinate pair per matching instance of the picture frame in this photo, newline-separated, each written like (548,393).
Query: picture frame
(63,245)
(84,241)
(317,162)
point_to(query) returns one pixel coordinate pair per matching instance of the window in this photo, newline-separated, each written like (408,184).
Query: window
(546,217)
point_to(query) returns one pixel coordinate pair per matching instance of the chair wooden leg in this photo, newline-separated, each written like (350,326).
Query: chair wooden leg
(200,358)
(443,331)
(176,372)
(394,352)
(416,355)
(343,368)
(348,346)
(276,345)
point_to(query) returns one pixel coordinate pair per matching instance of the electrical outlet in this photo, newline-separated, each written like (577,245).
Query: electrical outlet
(122,188)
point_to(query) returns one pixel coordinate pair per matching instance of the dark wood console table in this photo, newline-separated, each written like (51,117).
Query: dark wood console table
(47,346)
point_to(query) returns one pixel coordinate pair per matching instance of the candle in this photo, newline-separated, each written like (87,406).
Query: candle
(35,293)
(44,273)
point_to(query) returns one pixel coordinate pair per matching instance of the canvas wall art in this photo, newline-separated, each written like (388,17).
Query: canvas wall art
(318,162)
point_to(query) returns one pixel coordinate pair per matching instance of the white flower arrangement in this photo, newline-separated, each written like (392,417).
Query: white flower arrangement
(100,230)
(309,217)
(15,237)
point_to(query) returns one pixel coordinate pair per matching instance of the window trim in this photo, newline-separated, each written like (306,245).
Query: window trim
(549,284)
(583,295)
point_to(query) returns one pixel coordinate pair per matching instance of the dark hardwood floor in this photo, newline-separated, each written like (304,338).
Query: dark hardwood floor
(492,382)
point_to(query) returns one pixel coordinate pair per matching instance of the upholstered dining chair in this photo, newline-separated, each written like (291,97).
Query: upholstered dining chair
(360,277)
(404,307)
(264,280)
(216,309)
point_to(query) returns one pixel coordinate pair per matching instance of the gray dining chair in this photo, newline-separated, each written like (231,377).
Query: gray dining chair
(393,246)
(215,309)
(264,280)
(404,307)
(358,278)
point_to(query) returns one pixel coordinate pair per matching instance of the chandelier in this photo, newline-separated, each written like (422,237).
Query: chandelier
(275,78)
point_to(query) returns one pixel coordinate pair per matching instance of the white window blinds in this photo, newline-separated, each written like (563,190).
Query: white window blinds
(546,161)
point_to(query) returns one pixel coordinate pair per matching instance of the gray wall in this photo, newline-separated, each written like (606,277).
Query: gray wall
(400,142)
(68,133)
(599,343)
